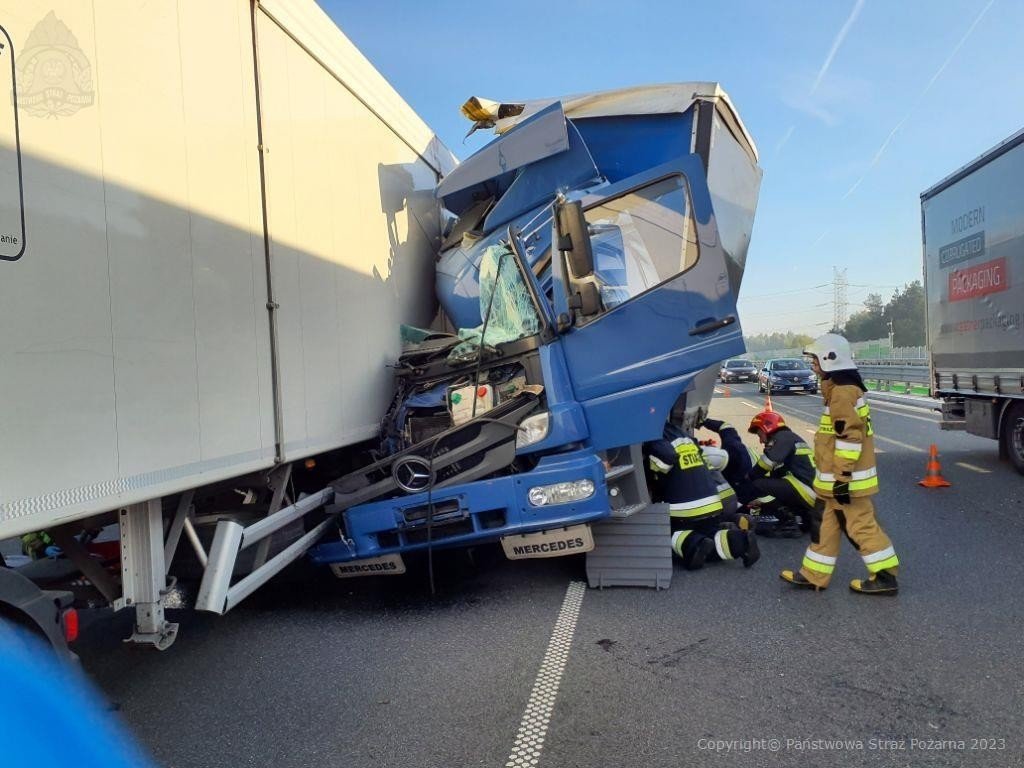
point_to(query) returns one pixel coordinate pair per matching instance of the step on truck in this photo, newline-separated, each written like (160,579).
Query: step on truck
(973,230)
(589,281)
(214,217)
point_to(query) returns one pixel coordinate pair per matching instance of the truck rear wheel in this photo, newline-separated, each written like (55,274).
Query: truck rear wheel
(1012,436)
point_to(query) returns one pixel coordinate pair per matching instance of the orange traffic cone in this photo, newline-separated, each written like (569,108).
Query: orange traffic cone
(726,392)
(933,477)
(768,404)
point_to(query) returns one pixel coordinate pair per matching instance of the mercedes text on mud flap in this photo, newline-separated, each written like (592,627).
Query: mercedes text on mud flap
(592,274)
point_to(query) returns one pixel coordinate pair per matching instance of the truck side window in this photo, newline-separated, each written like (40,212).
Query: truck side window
(642,239)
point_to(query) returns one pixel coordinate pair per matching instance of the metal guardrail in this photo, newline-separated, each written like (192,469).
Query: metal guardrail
(895,371)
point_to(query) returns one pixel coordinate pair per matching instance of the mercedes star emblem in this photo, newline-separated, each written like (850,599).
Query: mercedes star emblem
(412,474)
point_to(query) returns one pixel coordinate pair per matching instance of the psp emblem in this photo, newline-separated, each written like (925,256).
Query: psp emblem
(412,474)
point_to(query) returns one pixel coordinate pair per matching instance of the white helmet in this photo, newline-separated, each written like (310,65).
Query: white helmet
(715,458)
(833,353)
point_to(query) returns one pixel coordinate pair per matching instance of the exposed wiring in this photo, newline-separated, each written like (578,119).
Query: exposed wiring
(430,495)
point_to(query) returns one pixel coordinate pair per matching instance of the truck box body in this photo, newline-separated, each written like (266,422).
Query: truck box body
(973,225)
(138,357)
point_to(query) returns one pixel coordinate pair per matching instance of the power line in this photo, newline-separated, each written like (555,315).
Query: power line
(786,293)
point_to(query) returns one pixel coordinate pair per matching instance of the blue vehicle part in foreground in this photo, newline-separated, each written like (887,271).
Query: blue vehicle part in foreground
(471,513)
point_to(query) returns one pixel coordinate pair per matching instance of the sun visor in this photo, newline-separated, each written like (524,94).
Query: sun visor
(542,135)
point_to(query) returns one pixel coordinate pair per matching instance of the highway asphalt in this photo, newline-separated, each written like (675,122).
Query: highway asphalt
(727,667)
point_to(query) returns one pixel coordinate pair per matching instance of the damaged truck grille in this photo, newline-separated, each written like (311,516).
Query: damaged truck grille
(462,454)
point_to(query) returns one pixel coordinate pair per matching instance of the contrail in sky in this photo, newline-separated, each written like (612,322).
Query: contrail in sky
(826,64)
(917,101)
(836,44)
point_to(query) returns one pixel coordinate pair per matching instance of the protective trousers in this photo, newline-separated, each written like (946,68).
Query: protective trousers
(687,537)
(783,495)
(857,521)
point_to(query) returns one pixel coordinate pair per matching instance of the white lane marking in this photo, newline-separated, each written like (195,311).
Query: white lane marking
(923,407)
(534,725)
(876,409)
(965,465)
(749,405)
(811,431)
(901,445)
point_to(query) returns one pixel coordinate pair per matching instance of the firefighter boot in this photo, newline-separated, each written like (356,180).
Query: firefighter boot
(881,583)
(695,556)
(753,553)
(797,580)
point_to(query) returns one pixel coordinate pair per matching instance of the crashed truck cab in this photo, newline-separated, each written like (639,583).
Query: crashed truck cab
(591,273)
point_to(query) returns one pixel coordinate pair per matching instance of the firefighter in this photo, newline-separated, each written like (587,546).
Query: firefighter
(782,479)
(846,477)
(684,481)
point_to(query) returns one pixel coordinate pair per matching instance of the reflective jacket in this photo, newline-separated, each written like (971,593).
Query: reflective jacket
(844,446)
(683,479)
(787,456)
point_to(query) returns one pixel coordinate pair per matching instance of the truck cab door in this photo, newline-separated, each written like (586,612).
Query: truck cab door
(658,307)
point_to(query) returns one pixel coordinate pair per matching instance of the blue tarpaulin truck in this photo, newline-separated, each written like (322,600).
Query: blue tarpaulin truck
(591,277)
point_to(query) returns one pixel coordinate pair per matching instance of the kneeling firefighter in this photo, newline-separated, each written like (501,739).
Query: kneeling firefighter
(846,477)
(718,460)
(684,481)
(783,477)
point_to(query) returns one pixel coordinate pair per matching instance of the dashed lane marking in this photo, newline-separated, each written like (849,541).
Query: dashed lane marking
(749,405)
(934,420)
(965,465)
(534,726)
(897,442)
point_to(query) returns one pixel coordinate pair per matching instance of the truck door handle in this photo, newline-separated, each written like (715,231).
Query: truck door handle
(713,325)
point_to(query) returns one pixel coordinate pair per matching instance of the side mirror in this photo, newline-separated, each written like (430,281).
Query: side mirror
(587,299)
(574,238)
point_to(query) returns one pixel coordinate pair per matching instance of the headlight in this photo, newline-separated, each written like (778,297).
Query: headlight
(561,493)
(533,429)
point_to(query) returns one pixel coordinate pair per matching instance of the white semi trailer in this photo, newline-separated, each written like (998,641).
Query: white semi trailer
(213,219)
(973,226)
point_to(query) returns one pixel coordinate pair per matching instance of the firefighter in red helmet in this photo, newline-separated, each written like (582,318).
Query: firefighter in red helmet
(783,476)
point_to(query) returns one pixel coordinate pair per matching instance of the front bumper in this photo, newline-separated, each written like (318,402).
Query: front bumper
(468,513)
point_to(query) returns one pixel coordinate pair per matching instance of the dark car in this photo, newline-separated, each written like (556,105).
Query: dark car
(738,370)
(787,375)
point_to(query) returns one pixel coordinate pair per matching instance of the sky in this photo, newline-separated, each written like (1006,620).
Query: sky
(857,106)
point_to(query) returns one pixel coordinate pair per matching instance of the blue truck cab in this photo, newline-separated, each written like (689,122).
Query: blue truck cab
(590,283)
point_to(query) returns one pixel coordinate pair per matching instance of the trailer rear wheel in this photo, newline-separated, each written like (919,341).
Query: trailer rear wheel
(1013,436)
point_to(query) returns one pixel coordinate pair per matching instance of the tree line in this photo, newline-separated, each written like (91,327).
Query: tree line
(905,311)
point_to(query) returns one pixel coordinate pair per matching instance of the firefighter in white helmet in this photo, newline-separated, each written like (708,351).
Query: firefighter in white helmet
(846,477)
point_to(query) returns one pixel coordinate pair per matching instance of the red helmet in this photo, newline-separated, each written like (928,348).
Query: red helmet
(768,422)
